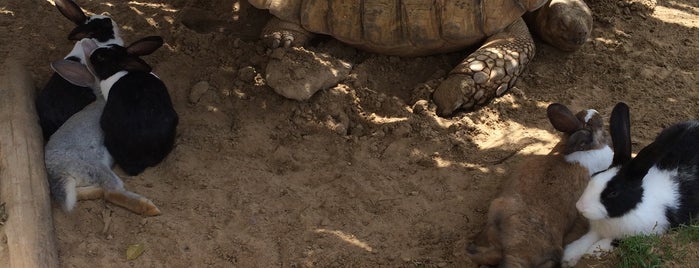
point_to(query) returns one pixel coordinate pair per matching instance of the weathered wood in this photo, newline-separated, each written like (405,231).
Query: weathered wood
(23,184)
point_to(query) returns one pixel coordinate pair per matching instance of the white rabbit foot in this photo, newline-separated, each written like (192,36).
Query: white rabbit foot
(574,251)
(570,259)
(601,247)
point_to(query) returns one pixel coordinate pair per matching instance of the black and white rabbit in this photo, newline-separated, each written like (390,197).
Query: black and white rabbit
(77,162)
(655,191)
(138,121)
(60,99)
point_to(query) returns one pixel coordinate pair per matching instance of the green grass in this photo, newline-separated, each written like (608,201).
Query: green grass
(688,234)
(655,250)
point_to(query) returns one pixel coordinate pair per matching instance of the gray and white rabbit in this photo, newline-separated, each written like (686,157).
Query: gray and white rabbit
(656,190)
(60,99)
(77,162)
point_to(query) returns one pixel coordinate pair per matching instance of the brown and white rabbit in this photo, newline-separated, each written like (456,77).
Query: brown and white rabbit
(60,99)
(77,162)
(656,190)
(528,222)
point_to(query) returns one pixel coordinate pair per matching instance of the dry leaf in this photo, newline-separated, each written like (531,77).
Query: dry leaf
(134,251)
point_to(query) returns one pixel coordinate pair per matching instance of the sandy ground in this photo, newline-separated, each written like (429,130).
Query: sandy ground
(359,175)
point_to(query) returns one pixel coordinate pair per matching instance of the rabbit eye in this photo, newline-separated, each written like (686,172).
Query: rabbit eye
(99,57)
(612,194)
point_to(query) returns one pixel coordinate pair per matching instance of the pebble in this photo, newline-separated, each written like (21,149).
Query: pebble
(300,73)
(198,90)
(277,53)
(420,106)
(247,74)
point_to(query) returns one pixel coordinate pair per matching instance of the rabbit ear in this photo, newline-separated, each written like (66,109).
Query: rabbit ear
(80,32)
(88,46)
(665,152)
(71,10)
(145,46)
(134,64)
(74,72)
(562,118)
(620,130)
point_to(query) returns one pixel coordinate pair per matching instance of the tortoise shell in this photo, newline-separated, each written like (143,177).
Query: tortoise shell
(402,27)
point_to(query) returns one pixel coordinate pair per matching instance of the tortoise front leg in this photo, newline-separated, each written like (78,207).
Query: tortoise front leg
(488,72)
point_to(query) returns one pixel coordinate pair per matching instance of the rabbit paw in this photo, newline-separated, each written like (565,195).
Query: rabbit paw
(601,247)
(147,208)
(133,202)
(574,251)
(570,260)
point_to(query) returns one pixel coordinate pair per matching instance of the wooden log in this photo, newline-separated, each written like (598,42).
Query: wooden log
(23,184)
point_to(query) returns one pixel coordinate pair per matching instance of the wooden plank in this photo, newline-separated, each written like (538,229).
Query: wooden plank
(23,184)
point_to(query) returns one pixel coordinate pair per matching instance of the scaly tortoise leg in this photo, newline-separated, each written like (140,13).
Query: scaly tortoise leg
(279,33)
(488,72)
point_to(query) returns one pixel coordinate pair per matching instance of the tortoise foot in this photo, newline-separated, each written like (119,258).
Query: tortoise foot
(462,92)
(278,33)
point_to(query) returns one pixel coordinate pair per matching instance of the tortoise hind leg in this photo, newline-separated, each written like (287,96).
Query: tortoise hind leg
(488,72)
(279,33)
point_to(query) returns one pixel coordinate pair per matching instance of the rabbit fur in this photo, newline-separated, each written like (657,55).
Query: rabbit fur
(530,219)
(60,99)
(656,190)
(77,162)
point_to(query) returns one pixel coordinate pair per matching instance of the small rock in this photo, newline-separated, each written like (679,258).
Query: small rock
(197,91)
(402,130)
(301,73)
(277,53)
(324,222)
(247,74)
(258,59)
(420,106)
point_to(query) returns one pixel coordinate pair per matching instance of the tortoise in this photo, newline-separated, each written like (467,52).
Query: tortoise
(425,27)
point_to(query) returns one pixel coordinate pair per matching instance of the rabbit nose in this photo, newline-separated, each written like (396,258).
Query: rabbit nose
(580,206)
